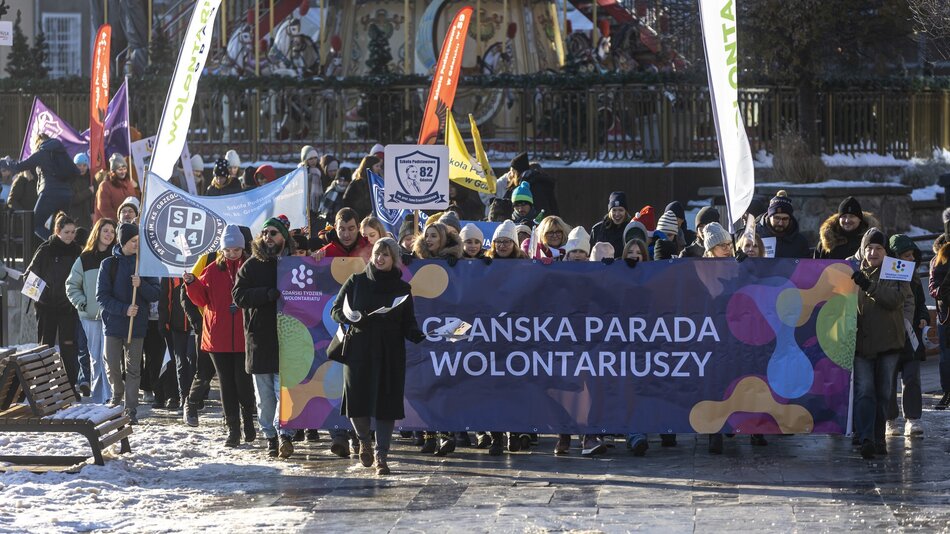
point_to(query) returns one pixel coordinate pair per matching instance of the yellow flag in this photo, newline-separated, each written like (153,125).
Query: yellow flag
(481,156)
(463,169)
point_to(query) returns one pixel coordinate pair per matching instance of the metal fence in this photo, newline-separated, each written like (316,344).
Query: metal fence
(654,123)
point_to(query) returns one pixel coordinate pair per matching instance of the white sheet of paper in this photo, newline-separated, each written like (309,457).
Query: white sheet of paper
(895,269)
(769,243)
(13,273)
(453,330)
(384,309)
(182,243)
(33,287)
(911,335)
(351,315)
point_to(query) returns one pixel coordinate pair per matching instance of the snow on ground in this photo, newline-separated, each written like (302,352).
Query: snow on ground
(175,480)
(833,183)
(926,193)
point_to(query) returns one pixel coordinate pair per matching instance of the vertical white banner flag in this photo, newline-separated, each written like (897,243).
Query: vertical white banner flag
(176,118)
(722,66)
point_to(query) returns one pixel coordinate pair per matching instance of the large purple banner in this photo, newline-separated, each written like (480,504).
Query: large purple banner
(683,346)
(115,133)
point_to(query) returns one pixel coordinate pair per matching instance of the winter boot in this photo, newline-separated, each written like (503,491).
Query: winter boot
(563,445)
(250,430)
(366,453)
(286,447)
(497,446)
(464,439)
(382,468)
(514,443)
(272,445)
(299,435)
(234,433)
(173,404)
(758,440)
(340,446)
(190,415)
(313,435)
(715,444)
(482,440)
(446,445)
(430,443)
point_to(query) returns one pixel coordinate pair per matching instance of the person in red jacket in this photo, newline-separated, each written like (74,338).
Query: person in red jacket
(223,333)
(345,239)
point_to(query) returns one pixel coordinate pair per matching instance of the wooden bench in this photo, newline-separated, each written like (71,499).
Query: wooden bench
(39,377)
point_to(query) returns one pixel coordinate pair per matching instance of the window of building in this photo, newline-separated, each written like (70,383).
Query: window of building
(63,33)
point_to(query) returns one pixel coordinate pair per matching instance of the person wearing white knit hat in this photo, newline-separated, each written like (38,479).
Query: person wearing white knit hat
(504,243)
(718,241)
(523,231)
(234,163)
(578,245)
(472,241)
(198,171)
(602,251)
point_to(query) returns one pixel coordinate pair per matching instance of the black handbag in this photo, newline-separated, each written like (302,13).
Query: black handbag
(336,350)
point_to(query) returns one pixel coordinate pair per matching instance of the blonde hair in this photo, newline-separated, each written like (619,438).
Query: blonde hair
(740,244)
(390,246)
(419,248)
(375,224)
(550,224)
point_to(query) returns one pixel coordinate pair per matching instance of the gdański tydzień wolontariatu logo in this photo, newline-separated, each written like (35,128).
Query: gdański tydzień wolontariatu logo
(179,230)
(417,175)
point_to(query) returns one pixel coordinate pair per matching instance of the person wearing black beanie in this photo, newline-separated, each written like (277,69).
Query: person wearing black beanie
(779,222)
(696,249)
(879,343)
(839,237)
(610,228)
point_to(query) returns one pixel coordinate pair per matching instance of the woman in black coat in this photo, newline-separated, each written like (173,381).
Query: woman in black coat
(374,376)
(56,316)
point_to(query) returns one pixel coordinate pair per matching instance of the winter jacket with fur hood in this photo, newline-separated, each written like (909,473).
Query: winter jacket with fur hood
(836,244)
(451,250)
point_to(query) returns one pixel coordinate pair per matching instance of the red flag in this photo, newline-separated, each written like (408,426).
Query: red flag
(445,79)
(99,99)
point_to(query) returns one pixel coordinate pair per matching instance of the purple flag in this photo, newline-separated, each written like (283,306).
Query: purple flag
(116,126)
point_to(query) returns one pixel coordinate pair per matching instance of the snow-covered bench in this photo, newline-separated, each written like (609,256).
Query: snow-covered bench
(52,406)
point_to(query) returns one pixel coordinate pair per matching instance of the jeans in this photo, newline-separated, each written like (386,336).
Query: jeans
(873,389)
(98,378)
(911,400)
(117,351)
(267,388)
(82,352)
(944,359)
(47,204)
(384,432)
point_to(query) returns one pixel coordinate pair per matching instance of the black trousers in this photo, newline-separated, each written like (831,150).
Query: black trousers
(237,389)
(60,324)
(204,372)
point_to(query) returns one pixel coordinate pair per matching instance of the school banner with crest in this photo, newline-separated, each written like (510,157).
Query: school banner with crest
(680,346)
(177,228)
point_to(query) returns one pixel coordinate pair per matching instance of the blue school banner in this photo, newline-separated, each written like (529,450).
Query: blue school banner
(176,228)
(684,346)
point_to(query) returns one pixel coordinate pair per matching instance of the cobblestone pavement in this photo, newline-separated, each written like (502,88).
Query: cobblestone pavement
(796,483)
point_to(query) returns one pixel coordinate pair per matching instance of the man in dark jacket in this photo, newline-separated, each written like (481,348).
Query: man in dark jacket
(611,228)
(256,292)
(114,290)
(55,171)
(840,235)
(779,222)
(223,183)
(696,249)
(688,235)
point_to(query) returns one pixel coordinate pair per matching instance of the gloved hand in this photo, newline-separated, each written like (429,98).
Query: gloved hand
(631,263)
(547,261)
(273,294)
(861,280)
(416,336)
(664,249)
(487,260)
(452,261)
(741,256)
(607,261)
